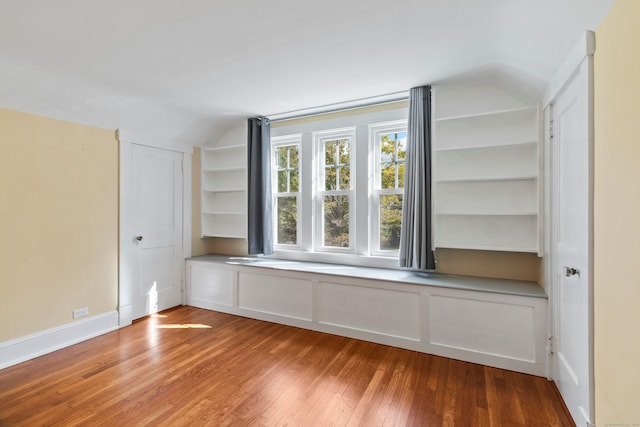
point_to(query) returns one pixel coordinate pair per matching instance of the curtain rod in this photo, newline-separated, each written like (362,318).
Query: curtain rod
(341,106)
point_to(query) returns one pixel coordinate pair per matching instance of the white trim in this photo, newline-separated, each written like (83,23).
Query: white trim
(376,190)
(126,258)
(361,164)
(572,66)
(585,47)
(30,346)
(125,135)
(319,140)
(286,141)
(187,160)
(341,106)
(126,284)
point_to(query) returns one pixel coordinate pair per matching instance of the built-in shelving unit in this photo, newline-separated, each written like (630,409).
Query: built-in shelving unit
(224,191)
(486,169)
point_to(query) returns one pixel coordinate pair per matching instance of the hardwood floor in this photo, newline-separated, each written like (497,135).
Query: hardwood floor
(194,367)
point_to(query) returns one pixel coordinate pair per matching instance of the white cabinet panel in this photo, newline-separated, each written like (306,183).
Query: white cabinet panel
(505,330)
(376,310)
(283,296)
(211,285)
(492,328)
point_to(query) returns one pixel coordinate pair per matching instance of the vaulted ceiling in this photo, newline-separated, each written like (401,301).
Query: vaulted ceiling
(188,70)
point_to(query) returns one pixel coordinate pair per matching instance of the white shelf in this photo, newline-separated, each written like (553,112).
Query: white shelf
(224,213)
(487,162)
(517,233)
(490,146)
(473,179)
(220,189)
(223,170)
(224,201)
(224,180)
(486,170)
(238,147)
(500,113)
(224,225)
(494,213)
(224,158)
(487,197)
(483,130)
(224,194)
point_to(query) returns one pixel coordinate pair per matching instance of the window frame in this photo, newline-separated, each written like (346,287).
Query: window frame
(319,192)
(277,142)
(376,130)
(306,127)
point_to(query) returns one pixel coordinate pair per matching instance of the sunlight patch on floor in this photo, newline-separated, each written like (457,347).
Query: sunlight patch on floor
(183,326)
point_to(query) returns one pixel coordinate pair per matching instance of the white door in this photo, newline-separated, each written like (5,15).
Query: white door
(156,207)
(571,243)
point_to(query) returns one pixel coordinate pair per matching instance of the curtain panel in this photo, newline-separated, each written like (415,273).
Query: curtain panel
(260,233)
(415,235)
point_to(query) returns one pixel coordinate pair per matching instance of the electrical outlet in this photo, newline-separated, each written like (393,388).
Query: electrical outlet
(80,312)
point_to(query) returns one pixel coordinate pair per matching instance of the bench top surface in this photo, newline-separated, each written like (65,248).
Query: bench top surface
(483,284)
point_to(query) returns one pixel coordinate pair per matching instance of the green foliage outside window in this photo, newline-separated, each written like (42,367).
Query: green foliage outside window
(336,221)
(392,164)
(288,181)
(337,176)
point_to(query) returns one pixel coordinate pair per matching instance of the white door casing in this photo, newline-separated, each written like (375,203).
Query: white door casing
(157,215)
(155,203)
(569,265)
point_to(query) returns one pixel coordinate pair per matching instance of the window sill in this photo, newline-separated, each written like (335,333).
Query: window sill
(336,258)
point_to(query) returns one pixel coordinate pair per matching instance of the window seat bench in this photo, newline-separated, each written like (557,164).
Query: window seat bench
(495,322)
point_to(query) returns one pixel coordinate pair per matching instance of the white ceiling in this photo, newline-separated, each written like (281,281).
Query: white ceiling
(188,70)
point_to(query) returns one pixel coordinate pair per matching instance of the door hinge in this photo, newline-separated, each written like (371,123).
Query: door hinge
(550,129)
(182,285)
(550,345)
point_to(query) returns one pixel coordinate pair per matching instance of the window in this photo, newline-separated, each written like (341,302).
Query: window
(286,171)
(334,191)
(337,187)
(389,147)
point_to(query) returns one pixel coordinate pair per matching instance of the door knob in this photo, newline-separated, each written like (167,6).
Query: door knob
(570,271)
(139,238)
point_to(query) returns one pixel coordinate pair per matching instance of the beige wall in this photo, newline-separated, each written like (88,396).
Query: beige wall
(617,216)
(59,222)
(503,265)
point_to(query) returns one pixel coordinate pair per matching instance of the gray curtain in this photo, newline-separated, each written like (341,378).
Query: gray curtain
(260,233)
(415,235)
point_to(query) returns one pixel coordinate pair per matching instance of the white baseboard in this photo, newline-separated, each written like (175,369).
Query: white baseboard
(34,345)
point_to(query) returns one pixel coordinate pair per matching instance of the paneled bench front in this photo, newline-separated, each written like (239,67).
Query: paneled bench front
(494,322)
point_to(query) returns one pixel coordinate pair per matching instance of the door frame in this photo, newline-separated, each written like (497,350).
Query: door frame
(583,51)
(126,256)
